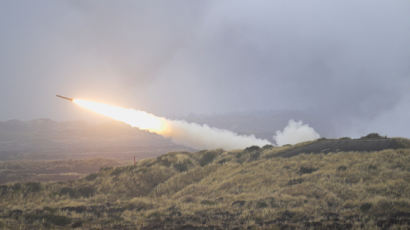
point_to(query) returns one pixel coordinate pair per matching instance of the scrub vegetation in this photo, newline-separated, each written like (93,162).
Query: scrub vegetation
(256,188)
(56,170)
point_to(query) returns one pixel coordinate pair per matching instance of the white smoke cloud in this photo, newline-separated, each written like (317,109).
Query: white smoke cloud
(181,132)
(295,132)
(205,137)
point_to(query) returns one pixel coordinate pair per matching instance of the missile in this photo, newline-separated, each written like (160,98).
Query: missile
(65,98)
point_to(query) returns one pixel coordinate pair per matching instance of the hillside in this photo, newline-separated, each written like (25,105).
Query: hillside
(254,188)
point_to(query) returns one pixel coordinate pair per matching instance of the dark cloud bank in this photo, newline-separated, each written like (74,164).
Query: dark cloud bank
(342,66)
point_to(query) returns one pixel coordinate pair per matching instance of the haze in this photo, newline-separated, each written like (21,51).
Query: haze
(343,63)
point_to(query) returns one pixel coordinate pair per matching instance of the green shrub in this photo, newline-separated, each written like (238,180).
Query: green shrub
(86,191)
(77,224)
(252,148)
(372,167)
(16,187)
(3,190)
(33,187)
(365,207)
(295,181)
(342,168)
(261,204)
(207,158)
(208,202)
(306,170)
(254,156)
(57,220)
(372,136)
(117,171)
(238,203)
(183,166)
(49,209)
(106,169)
(68,192)
(91,177)
(267,147)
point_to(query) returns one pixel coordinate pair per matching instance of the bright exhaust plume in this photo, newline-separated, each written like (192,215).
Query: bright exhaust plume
(181,132)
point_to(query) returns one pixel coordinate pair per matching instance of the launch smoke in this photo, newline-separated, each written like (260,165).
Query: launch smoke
(295,132)
(205,137)
(181,132)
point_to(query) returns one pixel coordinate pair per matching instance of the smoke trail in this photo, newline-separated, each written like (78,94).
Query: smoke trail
(205,137)
(295,132)
(181,132)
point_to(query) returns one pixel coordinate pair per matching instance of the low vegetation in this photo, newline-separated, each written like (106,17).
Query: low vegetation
(45,171)
(254,188)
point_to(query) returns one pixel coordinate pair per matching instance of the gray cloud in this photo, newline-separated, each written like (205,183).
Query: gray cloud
(343,62)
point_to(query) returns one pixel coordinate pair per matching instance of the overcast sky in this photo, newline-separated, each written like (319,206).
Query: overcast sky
(347,61)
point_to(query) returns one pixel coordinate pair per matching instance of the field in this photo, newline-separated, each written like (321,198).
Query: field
(254,188)
(45,171)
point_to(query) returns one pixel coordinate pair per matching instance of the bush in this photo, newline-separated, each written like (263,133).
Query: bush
(182,166)
(252,148)
(3,190)
(68,191)
(163,160)
(77,224)
(306,170)
(117,171)
(342,168)
(365,207)
(91,177)
(16,187)
(238,203)
(33,187)
(207,202)
(57,220)
(207,158)
(295,181)
(86,191)
(266,147)
(254,156)
(261,204)
(372,136)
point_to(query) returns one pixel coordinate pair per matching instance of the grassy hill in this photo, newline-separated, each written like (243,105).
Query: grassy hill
(332,187)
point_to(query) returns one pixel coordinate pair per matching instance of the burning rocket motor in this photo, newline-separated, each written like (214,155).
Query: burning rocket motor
(65,98)
(181,132)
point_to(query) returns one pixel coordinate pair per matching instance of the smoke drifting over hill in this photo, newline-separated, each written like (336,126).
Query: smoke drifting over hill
(295,132)
(346,60)
(206,137)
(181,132)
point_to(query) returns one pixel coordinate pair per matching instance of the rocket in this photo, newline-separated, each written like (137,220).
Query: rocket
(65,98)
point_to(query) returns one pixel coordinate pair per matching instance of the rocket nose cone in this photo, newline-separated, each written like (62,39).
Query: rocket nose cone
(65,98)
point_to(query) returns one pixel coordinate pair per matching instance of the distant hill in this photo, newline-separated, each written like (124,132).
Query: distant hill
(55,170)
(50,140)
(371,142)
(342,184)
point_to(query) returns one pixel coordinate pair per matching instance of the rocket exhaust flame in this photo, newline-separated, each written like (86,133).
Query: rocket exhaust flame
(181,132)
(135,118)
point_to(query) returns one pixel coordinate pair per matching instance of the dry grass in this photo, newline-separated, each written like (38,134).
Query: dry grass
(224,190)
(55,170)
